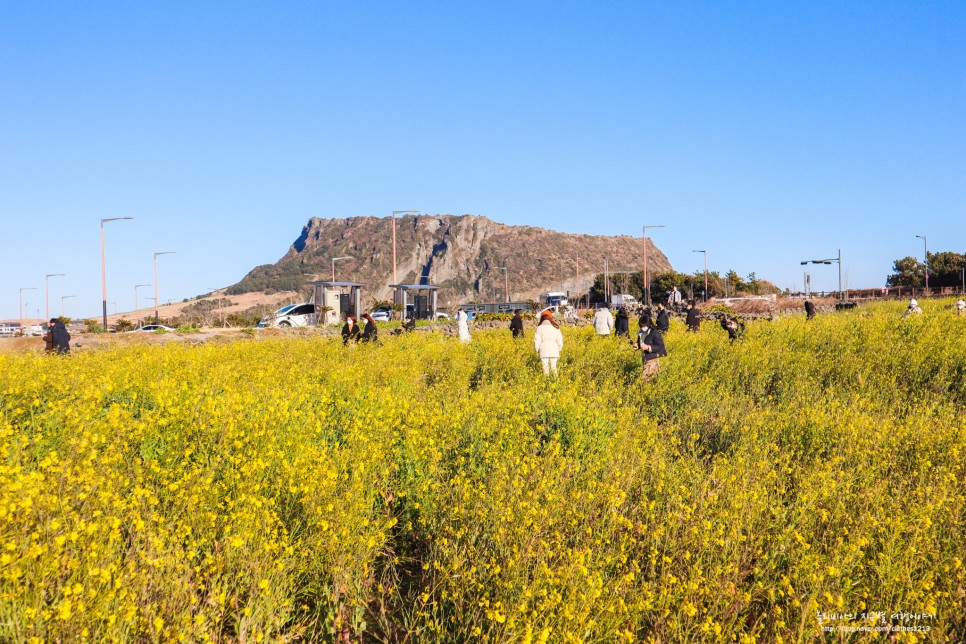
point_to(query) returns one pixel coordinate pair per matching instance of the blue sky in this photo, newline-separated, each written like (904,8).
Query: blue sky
(766,133)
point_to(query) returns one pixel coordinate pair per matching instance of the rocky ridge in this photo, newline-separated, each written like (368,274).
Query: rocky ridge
(463,254)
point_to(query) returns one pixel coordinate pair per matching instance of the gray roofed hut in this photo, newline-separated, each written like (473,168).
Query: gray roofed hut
(345,298)
(412,295)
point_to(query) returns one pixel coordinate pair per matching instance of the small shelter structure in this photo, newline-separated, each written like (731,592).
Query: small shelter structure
(417,300)
(344,298)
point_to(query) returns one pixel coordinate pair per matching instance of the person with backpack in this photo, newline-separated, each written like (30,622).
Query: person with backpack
(548,342)
(516,324)
(622,325)
(663,319)
(693,317)
(650,343)
(913,309)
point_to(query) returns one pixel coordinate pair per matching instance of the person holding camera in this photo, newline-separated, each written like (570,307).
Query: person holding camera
(650,343)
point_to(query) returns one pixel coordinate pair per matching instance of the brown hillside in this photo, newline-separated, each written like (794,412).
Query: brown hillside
(459,253)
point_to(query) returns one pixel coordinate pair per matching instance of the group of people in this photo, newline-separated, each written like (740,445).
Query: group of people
(57,338)
(352,333)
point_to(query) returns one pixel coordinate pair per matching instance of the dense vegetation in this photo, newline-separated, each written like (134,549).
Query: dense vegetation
(263,490)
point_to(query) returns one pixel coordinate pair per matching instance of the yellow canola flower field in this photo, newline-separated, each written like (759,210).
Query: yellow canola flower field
(806,480)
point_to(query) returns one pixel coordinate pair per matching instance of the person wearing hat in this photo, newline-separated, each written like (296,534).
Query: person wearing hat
(651,345)
(516,324)
(961,307)
(913,308)
(548,342)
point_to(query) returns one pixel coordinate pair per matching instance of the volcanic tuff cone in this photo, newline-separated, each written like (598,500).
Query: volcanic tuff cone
(459,253)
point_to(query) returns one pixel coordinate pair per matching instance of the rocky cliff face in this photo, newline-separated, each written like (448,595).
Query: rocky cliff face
(461,254)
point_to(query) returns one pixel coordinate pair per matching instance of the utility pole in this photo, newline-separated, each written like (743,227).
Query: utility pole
(705,272)
(26,288)
(925,248)
(165,252)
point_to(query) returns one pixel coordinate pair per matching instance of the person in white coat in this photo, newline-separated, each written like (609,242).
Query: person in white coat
(462,327)
(548,341)
(603,321)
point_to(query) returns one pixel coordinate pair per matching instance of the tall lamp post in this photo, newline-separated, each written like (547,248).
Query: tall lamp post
(335,259)
(925,249)
(62,298)
(26,288)
(137,310)
(837,260)
(394,213)
(506,283)
(47,293)
(104,269)
(163,252)
(705,272)
(647,284)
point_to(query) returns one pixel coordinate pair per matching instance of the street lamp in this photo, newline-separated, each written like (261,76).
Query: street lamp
(26,288)
(394,213)
(47,293)
(137,310)
(506,283)
(705,272)
(335,259)
(104,269)
(837,260)
(925,249)
(647,284)
(62,298)
(164,252)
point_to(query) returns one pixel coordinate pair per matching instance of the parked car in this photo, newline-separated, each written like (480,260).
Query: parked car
(441,316)
(302,314)
(148,328)
(381,315)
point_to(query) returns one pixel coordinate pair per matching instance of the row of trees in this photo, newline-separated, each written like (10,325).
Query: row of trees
(690,285)
(945,269)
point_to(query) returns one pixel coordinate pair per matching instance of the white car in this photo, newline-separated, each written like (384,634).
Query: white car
(302,314)
(442,316)
(148,328)
(381,315)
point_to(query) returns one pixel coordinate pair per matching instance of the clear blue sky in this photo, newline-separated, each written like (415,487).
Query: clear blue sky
(766,133)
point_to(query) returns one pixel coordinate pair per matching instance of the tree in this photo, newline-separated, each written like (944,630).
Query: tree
(324,311)
(908,272)
(945,268)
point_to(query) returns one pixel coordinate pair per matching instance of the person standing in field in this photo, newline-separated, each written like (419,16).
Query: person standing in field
(370,333)
(48,338)
(462,326)
(663,319)
(622,325)
(59,336)
(913,308)
(516,324)
(410,324)
(603,321)
(548,342)
(650,343)
(693,318)
(961,307)
(809,309)
(350,331)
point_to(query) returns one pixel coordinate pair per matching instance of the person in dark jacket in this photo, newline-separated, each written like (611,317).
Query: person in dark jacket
(733,327)
(59,335)
(516,324)
(809,310)
(410,324)
(350,331)
(663,319)
(370,333)
(622,324)
(650,343)
(693,318)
